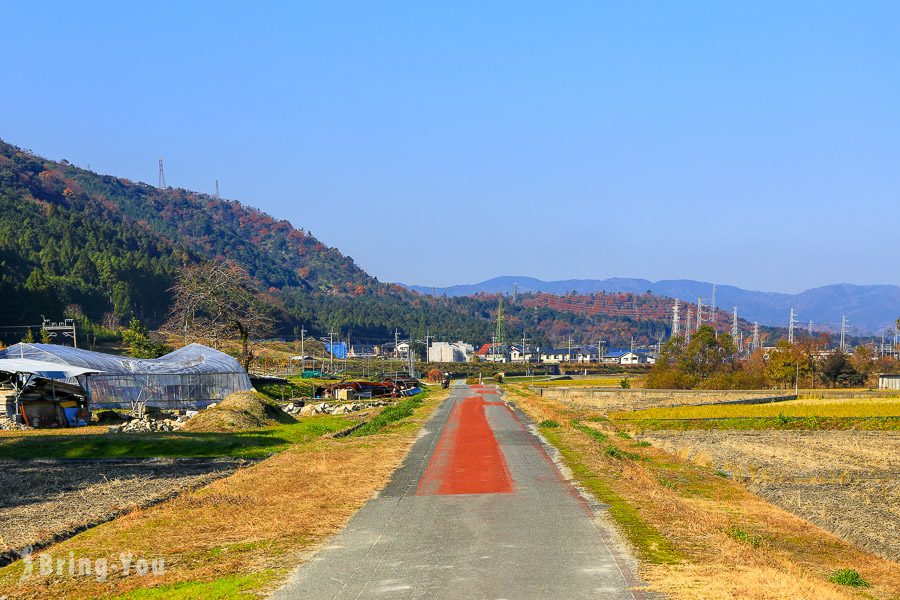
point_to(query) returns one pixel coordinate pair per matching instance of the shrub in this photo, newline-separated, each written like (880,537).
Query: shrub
(742,536)
(625,384)
(849,577)
(617,452)
(548,423)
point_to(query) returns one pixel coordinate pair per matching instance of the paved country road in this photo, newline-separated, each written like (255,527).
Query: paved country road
(477,510)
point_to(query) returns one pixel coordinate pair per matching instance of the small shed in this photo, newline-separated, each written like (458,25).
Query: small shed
(45,394)
(889,382)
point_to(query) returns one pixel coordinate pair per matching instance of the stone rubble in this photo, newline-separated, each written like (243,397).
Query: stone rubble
(166,422)
(330,409)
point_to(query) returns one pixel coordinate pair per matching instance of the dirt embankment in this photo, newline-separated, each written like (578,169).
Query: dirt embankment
(238,412)
(847,482)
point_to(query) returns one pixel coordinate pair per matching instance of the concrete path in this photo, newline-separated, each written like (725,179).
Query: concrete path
(477,510)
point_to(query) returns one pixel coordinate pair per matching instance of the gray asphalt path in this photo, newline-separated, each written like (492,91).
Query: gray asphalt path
(539,541)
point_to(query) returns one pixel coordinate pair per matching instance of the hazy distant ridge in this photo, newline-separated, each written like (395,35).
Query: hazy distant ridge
(870,308)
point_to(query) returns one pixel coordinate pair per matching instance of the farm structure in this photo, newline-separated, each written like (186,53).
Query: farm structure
(190,377)
(889,382)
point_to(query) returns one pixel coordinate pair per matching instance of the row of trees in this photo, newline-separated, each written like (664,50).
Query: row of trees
(710,361)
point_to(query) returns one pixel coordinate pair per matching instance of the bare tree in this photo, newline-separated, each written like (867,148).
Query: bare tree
(216,301)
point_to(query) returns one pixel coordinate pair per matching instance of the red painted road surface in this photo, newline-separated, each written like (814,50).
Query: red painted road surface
(467,458)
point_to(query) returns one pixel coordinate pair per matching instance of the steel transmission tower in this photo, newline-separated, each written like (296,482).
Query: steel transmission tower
(699,312)
(675,318)
(688,325)
(755,342)
(791,327)
(162,176)
(734,325)
(809,328)
(218,197)
(499,335)
(843,333)
(712,308)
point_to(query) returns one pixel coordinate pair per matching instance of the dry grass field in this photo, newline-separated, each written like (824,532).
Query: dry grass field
(44,501)
(829,408)
(598,381)
(847,482)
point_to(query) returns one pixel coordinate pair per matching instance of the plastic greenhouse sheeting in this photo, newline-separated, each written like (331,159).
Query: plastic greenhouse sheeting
(189,377)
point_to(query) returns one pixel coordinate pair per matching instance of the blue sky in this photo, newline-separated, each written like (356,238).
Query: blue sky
(748,143)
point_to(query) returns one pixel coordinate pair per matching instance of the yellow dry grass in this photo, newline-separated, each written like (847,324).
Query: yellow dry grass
(835,408)
(605,381)
(694,509)
(89,430)
(262,518)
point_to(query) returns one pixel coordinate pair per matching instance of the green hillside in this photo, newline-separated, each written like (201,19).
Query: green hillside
(111,248)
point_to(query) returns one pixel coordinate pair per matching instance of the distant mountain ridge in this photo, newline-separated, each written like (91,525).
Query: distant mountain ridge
(870,309)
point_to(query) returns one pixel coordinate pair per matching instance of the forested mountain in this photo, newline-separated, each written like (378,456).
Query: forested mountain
(108,248)
(869,308)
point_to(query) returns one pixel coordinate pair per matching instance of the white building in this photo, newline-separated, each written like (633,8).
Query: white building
(450,352)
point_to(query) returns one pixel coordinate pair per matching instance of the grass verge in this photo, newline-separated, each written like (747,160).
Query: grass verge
(401,410)
(255,443)
(649,543)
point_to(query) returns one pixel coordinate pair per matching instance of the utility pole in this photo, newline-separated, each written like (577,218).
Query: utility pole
(66,328)
(331,350)
(162,176)
(569,355)
(524,340)
(791,327)
(428,339)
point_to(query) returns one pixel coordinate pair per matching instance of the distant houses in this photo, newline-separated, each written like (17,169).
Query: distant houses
(513,353)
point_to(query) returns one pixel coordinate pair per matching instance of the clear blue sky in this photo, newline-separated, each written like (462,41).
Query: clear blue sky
(747,143)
